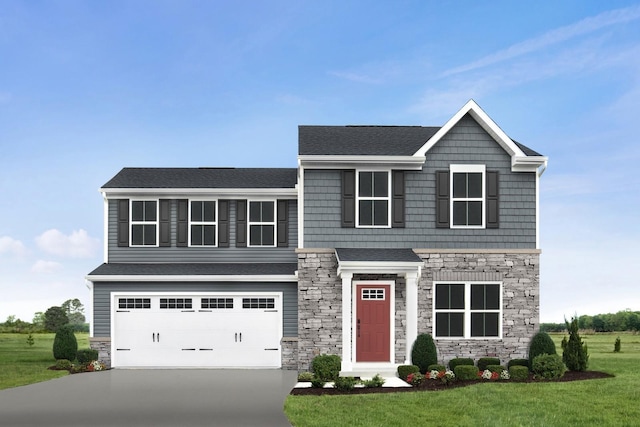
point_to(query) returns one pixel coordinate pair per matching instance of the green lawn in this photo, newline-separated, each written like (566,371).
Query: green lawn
(21,364)
(611,401)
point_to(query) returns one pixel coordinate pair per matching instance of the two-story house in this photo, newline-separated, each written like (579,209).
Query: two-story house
(381,233)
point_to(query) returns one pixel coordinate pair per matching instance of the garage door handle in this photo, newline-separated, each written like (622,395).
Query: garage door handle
(271,349)
(154,337)
(358,328)
(158,336)
(236,337)
(240,336)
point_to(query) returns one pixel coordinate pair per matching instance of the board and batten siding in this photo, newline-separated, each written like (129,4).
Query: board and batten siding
(102,298)
(466,143)
(174,254)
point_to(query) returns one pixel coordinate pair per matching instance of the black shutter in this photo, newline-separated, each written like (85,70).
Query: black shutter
(283,223)
(183,223)
(493,200)
(397,201)
(348,199)
(223,223)
(241,223)
(123,222)
(442,199)
(165,222)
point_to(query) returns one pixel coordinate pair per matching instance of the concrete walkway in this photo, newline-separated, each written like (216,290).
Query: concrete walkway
(152,398)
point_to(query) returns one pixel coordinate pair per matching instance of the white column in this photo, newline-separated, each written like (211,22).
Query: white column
(411,302)
(347,315)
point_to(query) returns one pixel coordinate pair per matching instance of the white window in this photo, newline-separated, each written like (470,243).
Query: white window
(467,196)
(202,223)
(373,206)
(468,310)
(144,222)
(262,225)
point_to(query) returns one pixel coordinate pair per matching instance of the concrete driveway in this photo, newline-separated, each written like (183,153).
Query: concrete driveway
(152,398)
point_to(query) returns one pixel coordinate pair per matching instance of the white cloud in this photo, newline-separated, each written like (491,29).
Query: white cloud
(42,266)
(76,245)
(11,246)
(356,77)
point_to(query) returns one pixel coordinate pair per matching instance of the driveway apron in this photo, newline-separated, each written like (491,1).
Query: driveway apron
(152,398)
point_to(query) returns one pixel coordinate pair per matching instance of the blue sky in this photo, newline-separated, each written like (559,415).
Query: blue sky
(89,87)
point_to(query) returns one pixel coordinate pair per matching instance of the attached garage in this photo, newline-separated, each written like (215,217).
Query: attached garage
(190,330)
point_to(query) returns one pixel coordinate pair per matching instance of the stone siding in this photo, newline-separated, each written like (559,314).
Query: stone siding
(289,353)
(103,346)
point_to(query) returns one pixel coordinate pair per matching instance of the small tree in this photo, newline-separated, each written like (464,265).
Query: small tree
(541,343)
(54,318)
(575,355)
(65,345)
(424,352)
(617,345)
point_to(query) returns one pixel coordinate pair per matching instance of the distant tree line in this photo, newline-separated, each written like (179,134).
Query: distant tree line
(621,321)
(71,312)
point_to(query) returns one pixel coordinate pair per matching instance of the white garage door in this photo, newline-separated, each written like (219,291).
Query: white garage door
(203,330)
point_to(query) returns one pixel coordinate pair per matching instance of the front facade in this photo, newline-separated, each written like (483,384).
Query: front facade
(381,233)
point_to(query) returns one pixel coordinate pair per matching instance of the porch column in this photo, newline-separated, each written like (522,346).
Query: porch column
(411,333)
(347,364)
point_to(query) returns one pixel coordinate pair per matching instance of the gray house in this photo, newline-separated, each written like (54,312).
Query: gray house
(381,233)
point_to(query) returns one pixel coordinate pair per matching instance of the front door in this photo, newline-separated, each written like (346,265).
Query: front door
(373,323)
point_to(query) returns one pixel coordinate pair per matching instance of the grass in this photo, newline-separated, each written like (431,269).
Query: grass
(21,364)
(603,402)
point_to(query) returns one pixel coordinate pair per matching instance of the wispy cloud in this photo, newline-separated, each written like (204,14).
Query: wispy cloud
(585,26)
(11,246)
(43,267)
(76,245)
(356,77)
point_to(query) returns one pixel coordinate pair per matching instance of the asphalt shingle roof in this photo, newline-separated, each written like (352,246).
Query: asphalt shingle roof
(195,269)
(382,255)
(204,178)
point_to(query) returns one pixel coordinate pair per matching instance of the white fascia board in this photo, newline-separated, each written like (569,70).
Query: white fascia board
(356,267)
(528,163)
(484,120)
(209,192)
(105,227)
(193,278)
(340,162)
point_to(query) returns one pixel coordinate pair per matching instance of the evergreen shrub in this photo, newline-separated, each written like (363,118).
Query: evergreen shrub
(63,364)
(495,368)
(541,343)
(305,377)
(86,355)
(436,367)
(459,361)
(375,382)
(617,345)
(326,366)
(548,366)
(518,362)
(65,345)
(405,370)
(345,383)
(466,372)
(519,372)
(483,362)
(575,355)
(424,352)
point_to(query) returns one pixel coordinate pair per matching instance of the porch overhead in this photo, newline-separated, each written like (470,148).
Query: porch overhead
(378,260)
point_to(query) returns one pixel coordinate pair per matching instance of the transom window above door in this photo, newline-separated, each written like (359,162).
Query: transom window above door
(203,222)
(373,201)
(144,223)
(262,225)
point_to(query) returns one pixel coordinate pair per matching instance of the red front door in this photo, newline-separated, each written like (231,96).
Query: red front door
(372,323)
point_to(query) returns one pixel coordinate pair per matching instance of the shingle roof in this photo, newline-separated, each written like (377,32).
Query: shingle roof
(381,255)
(369,140)
(195,269)
(204,178)
(362,140)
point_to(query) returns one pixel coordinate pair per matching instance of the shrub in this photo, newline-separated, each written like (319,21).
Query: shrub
(519,372)
(415,378)
(459,361)
(541,343)
(518,362)
(326,366)
(405,370)
(496,368)
(345,383)
(63,364)
(466,372)
(86,355)
(575,354)
(548,366)
(423,352)
(317,382)
(436,367)
(375,382)
(483,362)
(305,377)
(616,345)
(65,345)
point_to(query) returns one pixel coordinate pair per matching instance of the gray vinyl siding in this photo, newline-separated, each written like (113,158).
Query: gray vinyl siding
(102,297)
(201,254)
(466,143)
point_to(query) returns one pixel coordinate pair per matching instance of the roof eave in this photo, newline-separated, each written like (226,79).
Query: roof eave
(528,163)
(210,192)
(332,162)
(191,278)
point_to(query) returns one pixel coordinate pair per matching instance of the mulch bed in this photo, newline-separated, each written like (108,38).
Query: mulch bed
(433,385)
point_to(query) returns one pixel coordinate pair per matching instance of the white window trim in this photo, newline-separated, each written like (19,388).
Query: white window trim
(467,310)
(274,223)
(468,169)
(214,223)
(388,198)
(132,223)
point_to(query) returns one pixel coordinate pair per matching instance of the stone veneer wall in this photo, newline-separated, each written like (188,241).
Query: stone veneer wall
(520,275)
(289,353)
(103,346)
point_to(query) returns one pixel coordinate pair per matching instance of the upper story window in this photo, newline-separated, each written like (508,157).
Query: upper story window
(467,310)
(203,224)
(468,196)
(373,200)
(144,223)
(262,226)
